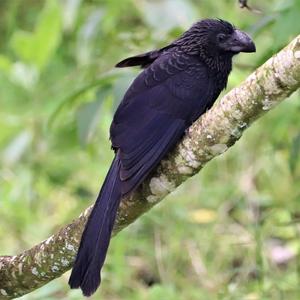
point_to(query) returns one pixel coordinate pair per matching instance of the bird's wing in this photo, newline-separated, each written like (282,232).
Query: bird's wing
(156,110)
(144,59)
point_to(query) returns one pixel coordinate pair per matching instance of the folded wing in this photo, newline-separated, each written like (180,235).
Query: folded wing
(161,103)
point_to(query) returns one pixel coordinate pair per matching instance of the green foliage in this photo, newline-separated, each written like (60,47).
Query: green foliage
(229,233)
(37,48)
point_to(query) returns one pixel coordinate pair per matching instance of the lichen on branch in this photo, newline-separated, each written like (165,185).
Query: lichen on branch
(208,137)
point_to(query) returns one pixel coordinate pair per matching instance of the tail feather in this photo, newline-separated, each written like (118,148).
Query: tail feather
(97,233)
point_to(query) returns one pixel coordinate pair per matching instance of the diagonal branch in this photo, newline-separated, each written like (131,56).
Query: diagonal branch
(209,136)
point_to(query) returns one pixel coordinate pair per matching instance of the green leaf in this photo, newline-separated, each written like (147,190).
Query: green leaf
(70,12)
(69,100)
(5,64)
(286,26)
(87,117)
(22,44)
(16,148)
(38,47)
(294,154)
(162,292)
(48,32)
(163,16)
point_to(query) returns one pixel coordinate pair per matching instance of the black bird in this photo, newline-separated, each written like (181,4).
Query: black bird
(178,84)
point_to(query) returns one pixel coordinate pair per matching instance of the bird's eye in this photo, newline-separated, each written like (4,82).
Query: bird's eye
(221,37)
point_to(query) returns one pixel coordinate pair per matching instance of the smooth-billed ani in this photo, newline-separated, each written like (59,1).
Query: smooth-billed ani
(178,84)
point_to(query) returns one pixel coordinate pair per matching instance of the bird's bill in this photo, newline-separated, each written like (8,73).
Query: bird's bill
(240,42)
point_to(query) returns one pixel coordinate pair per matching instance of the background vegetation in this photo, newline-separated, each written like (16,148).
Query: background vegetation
(231,232)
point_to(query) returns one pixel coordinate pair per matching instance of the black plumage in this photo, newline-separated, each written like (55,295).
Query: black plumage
(178,84)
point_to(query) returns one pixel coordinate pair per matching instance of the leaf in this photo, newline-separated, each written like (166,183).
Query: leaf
(17,147)
(86,37)
(37,48)
(283,5)
(22,44)
(164,15)
(5,64)
(70,12)
(203,216)
(87,117)
(286,26)
(121,85)
(294,154)
(48,32)
(24,75)
(162,292)
(104,80)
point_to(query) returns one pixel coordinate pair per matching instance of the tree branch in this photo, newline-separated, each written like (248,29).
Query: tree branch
(209,137)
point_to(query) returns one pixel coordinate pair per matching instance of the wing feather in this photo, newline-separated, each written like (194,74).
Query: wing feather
(160,104)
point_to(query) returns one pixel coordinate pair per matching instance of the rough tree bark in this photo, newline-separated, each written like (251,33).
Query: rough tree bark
(210,136)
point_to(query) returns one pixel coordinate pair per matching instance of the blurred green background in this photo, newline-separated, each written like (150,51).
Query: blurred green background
(231,232)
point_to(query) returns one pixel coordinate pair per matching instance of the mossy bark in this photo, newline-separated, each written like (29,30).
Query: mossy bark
(208,137)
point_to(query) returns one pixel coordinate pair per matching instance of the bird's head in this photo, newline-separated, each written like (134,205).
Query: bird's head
(215,37)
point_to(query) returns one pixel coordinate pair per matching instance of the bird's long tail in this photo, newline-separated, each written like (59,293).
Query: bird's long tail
(97,233)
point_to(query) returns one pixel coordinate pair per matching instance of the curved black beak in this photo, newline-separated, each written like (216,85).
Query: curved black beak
(239,42)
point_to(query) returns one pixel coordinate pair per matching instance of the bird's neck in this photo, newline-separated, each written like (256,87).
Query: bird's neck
(222,62)
(220,67)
